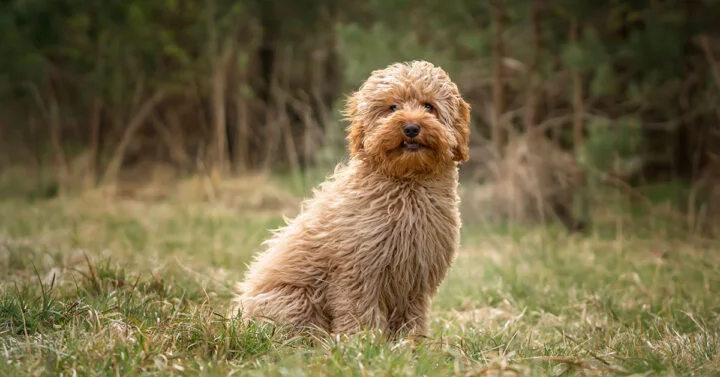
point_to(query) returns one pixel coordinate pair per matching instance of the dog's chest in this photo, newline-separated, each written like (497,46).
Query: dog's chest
(410,238)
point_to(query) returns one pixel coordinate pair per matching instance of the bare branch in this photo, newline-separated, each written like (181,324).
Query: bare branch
(113,168)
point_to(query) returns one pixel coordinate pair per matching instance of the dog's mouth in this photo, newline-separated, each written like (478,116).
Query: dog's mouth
(411,146)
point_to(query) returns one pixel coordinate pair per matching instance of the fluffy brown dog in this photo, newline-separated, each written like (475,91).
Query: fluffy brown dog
(372,246)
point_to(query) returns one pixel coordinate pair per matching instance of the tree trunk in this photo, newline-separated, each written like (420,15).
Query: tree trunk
(577,96)
(242,134)
(283,120)
(219,89)
(532,103)
(581,198)
(273,127)
(3,145)
(94,157)
(61,165)
(499,133)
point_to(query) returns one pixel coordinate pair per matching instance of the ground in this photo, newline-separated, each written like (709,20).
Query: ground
(128,287)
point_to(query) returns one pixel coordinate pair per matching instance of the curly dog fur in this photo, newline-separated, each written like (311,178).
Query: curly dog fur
(370,249)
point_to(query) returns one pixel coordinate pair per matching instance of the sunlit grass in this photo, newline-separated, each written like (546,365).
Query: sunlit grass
(128,288)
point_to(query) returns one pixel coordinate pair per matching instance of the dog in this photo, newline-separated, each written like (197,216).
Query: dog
(370,248)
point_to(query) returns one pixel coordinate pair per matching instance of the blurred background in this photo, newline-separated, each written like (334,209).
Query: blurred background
(574,101)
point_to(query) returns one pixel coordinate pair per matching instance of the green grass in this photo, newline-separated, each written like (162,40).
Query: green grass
(90,287)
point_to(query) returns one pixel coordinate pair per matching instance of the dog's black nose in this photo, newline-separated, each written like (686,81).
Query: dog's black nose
(411,130)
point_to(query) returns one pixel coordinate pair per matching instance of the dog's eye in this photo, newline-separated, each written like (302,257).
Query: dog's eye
(393,107)
(429,107)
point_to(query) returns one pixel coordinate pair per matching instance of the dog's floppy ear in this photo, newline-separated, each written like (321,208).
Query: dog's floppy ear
(462,132)
(356,131)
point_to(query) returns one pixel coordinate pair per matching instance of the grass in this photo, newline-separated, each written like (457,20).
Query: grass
(91,287)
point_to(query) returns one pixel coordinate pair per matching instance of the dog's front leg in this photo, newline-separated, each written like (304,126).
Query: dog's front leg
(414,321)
(355,308)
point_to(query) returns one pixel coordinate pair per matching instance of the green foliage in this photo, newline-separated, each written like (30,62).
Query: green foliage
(104,49)
(604,82)
(387,48)
(613,147)
(638,59)
(660,44)
(587,54)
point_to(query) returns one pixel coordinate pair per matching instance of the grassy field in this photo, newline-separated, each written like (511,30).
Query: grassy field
(95,287)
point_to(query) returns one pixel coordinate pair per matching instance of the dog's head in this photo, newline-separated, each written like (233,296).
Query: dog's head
(409,119)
